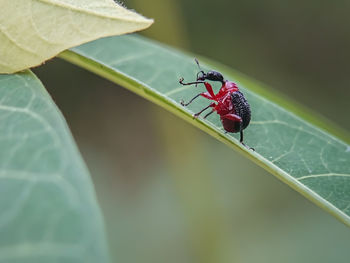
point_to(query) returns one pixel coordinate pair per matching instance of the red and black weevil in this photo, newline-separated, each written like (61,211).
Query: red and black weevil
(231,104)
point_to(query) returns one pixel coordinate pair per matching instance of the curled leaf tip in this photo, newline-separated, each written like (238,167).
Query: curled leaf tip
(34,31)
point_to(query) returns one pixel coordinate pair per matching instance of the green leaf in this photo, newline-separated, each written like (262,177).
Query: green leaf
(48,206)
(310,160)
(33,31)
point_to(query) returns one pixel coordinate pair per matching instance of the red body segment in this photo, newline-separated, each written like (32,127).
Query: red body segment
(224,106)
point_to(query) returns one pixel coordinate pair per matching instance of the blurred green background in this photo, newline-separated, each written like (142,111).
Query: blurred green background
(171,193)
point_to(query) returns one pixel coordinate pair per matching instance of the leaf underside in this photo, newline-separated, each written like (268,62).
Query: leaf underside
(32,31)
(48,207)
(310,160)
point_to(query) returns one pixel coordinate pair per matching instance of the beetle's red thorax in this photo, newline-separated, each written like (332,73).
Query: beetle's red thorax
(227,87)
(223,98)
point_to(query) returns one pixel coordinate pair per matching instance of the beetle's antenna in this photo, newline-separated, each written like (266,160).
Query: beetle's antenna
(200,70)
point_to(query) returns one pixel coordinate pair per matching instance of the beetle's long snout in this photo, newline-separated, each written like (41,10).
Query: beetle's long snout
(201,75)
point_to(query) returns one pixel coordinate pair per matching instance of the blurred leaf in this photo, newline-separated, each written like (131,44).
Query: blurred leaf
(310,160)
(32,31)
(48,206)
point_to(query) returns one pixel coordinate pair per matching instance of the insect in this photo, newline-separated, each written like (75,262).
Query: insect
(229,102)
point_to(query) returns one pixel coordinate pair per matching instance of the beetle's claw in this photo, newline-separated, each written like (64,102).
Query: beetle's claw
(181,80)
(250,148)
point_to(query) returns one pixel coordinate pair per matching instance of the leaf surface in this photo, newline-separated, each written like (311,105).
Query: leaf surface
(32,31)
(307,158)
(48,206)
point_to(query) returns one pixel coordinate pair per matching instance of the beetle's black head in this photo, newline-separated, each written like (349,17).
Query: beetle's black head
(211,75)
(214,76)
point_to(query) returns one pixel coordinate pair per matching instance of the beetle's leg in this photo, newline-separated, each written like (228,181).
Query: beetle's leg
(241,138)
(189,83)
(209,89)
(207,86)
(188,103)
(208,114)
(232,117)
(241,141)
(203,94)
(198,113)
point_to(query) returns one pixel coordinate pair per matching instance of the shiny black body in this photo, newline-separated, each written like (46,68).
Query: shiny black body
(242,109)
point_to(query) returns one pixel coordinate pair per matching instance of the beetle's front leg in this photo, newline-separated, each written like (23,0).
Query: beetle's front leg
(208,87)
(189,83)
